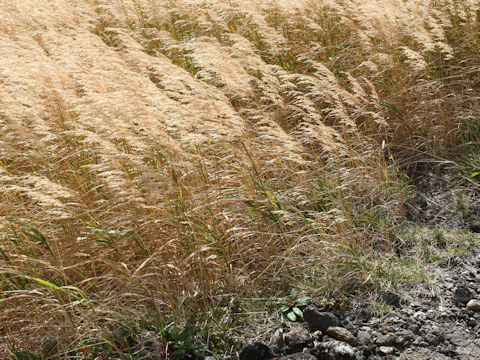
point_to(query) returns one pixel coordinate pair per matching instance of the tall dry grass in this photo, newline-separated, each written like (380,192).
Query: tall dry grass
(165,160)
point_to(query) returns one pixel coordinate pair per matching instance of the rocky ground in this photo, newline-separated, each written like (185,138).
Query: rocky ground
(439,324)
(438,319)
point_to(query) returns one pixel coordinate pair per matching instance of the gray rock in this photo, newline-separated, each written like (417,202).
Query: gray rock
(277,342)
(420,343)
(298,338)
(319,320)
(342,334)
(430,314)
(256,351)
(364,337)
(458,338)
(386,340)
(472,323)
(474,305)
(333,350)
(433,339)
(415,328)
(420,315)
(298,356)
(386,350)
(461,296)
(405,336)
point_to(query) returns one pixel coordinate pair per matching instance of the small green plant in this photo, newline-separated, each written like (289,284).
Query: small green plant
(47,352)
(292,307)
(380,308)
(181,342)
(440,238)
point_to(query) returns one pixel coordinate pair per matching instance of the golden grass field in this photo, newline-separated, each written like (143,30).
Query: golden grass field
(165,162)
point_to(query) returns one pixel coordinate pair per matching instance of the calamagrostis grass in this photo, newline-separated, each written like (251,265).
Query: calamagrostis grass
(160,158)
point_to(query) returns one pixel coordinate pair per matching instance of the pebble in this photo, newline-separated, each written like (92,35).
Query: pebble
(342,334)
(433,339)
(364,337)
(297,339)
(462,295)
(386,350)
(472,323)
(474,305)
(334,350)
(386,340)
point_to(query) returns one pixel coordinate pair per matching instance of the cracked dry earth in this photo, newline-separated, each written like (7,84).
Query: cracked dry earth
(437,320)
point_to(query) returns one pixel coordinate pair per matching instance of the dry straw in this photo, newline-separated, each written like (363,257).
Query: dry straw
(159,157)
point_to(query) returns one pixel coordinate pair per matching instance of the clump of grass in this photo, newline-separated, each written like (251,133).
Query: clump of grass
(157,158)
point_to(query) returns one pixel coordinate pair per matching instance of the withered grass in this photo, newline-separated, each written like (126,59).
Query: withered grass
(162,158)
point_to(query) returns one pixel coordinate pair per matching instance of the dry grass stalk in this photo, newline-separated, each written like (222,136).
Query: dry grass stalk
(157,156)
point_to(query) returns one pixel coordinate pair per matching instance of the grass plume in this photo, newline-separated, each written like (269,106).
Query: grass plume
(161,158)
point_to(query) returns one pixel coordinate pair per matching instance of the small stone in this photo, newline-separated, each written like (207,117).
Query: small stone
(319,320)
(404,336)
(461,296)
(386,350)
(364,337)
(386,328)
(419,315)
(334,350)
(256,351)
(342,334)
(386,340)
(297,339)
(433,339)
(472,323)
(317,335)
(477,277)
(415,328)
(474,305)
(421,343)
